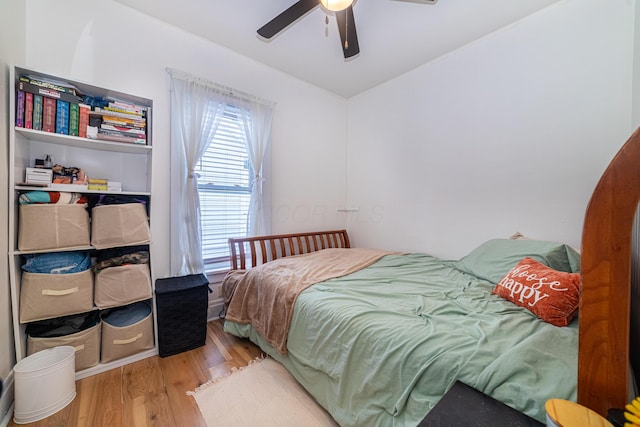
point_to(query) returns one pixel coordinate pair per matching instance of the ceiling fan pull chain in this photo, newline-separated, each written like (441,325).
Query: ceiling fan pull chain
(346,31)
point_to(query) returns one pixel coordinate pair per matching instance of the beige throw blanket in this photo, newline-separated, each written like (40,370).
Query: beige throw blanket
(264,296)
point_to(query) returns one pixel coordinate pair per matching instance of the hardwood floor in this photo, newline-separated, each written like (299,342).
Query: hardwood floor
(152,392)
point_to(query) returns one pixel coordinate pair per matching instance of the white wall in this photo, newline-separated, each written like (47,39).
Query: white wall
(509,133)
(110,45)
(11,50)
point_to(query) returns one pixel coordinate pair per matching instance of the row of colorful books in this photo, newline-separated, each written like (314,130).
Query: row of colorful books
(54,107)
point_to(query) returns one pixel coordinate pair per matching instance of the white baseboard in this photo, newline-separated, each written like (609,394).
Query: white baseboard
(6,401)
(215,309)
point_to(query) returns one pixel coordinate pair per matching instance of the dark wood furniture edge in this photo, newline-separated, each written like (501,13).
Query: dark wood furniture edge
(604,313)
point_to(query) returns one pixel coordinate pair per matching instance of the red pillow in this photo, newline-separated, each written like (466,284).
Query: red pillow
(550,294)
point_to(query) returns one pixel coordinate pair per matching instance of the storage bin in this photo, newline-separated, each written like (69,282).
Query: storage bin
(82,332)
(44,384)
(126,331)
(52,226)
(119,225)
(181,304)
(43,296)
(122,285)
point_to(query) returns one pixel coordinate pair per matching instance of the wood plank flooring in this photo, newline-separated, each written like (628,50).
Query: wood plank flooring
(152,392)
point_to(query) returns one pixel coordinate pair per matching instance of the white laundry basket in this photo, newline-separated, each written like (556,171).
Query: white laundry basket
(44,384)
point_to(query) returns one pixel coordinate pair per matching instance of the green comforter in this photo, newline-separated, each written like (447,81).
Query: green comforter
(379,347)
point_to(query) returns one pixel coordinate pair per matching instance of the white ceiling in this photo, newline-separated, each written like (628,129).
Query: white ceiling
(395,36)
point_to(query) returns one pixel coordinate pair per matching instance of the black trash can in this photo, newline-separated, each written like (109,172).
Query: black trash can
(181,304)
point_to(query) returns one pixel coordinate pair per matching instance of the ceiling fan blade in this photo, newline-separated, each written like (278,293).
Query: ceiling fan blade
(347,29)
(286,18)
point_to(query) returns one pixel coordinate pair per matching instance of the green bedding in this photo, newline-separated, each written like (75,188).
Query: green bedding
(379,347)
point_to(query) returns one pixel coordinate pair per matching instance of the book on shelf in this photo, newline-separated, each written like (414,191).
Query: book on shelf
(127,106)
(45,91)
(48,114)
(128,131)
(28,110)
(120,138)
(114,185)
(117,133)
(62,117)
(98,187)
(50,84)
(74,119)
(83,119)
(123,123)
(97,181)
(124,111)
(37,112)
(117,114)
(20,108)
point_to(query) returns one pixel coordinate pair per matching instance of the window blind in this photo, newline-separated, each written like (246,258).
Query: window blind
(224,187)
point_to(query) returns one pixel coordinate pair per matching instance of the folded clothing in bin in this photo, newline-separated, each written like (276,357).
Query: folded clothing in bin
(126,330)
(122,276)
(57,262)
(80,331)
(118,199)
(128,315)
(114,257)
(55,284)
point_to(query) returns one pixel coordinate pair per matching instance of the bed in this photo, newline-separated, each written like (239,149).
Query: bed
(378,337)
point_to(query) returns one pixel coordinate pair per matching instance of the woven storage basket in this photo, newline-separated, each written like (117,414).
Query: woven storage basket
(182,313)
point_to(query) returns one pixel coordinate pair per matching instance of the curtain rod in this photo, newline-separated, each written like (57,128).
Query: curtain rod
(225,90)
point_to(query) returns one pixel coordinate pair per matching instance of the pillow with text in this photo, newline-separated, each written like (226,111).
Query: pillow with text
(550,294)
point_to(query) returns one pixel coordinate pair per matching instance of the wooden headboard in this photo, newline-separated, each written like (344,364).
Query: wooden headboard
(261,249)
(605,300)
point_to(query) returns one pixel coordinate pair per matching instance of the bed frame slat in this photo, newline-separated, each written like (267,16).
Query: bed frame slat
(288,244)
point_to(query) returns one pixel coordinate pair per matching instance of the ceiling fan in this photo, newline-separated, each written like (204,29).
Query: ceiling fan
(343,10)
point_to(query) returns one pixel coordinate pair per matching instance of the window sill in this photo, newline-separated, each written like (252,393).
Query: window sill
(215,272)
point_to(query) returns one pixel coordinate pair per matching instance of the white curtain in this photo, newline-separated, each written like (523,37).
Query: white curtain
(197,106)
(195,114)
(256,118)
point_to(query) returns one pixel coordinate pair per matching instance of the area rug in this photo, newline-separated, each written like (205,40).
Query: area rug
(263,394)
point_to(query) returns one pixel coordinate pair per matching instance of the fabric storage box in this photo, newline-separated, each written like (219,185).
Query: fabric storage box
(181,304)
(53,226)
(122,285)
(119,225)
(82,332)
(44,296)
(126,331)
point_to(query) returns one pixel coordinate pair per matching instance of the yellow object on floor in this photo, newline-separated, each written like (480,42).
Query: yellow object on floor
(563,413)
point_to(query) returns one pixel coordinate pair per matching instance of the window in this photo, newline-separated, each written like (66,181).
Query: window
(224,187)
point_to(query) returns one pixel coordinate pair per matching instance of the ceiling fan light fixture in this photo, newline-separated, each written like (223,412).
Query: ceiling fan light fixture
(336,5)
